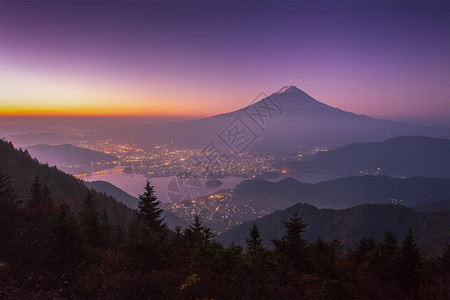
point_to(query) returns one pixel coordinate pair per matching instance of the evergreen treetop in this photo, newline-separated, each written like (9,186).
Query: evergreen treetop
(8,196)
(254,242)
(149,211)
(94,223)
(292,248)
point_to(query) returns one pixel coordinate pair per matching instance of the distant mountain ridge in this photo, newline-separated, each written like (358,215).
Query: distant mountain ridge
(282,122)
(400,156)
(35,138)
(67,154)
(252,199)
(349,191)
(350,225)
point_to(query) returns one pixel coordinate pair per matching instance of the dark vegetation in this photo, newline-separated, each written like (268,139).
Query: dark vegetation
(51,250)
(105,187)
(22,169)
(351,225)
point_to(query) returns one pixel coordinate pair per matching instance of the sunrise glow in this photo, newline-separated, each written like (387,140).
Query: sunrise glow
(92,60)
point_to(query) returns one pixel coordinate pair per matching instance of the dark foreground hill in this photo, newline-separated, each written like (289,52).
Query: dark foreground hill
(350,225)
(22,169)
(405,156)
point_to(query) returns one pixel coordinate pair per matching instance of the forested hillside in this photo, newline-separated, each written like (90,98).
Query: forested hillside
(350,225)
(64,188)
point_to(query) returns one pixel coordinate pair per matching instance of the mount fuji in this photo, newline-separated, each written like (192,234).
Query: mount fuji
(281,124)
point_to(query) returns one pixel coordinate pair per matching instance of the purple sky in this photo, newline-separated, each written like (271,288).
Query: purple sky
(383,59)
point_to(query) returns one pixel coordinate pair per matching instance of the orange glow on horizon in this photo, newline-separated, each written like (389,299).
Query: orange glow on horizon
(97,112)
(22,113)
(49,94)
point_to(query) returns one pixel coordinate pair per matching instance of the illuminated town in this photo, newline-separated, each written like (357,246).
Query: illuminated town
(162,162)
(220,211)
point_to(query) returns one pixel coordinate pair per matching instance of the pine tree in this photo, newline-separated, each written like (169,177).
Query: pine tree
(178,231)
(387,256)
(147,238)
(365,250)
(254,243)
(260,267)
(46,195)
(8,196)
(177,240)
(106,229)
(9,210)
(93,223)
(36,195)
(292,248)
(68,239)
(322,258)
(197,234)
(389,245)
(409,266)
(39,234)
(149,212)
(443,262)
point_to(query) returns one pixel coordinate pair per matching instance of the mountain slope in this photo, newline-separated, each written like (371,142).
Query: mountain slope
(22,169)
(281,123)
(110,189)
(105,187)
(253,199)
(34,138)
(433,206)
(400,156)
(349,191)
(350,225)
(67,154)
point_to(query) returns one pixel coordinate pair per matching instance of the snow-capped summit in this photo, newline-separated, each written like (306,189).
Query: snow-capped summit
(282,122)
(288,89)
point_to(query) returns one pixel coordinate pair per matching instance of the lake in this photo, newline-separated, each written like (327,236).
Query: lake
(167,189)
(174,189)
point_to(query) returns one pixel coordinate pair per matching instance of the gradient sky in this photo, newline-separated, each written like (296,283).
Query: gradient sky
(384,59)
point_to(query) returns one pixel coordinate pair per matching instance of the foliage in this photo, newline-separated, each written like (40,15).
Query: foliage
(23,171)
(292,250)
(146,241)
(149,211)
(95,225)
(409,266)
(51,252)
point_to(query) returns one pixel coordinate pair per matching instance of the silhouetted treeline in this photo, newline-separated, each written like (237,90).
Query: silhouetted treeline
(49,251)
(65,188)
